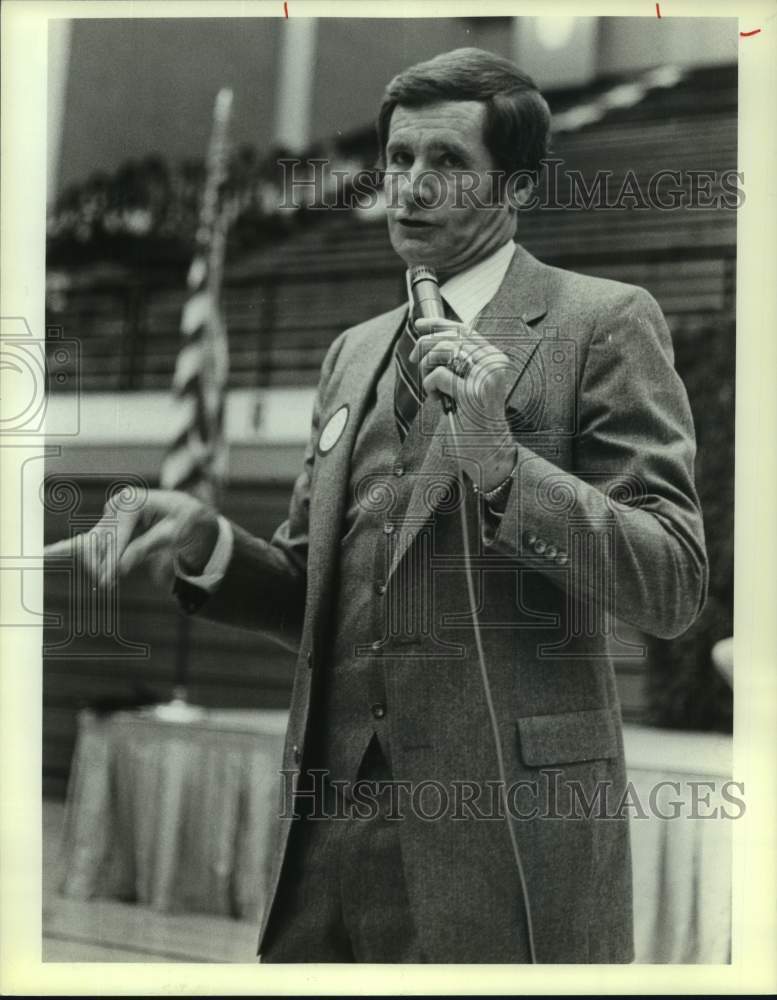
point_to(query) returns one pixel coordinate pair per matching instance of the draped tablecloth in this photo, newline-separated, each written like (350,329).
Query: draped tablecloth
(174,816)
(682,864)
(181,817)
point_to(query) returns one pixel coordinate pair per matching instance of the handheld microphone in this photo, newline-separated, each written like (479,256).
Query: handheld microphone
(428,304)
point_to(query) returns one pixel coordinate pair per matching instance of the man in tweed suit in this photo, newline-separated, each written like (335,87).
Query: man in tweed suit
(576,443)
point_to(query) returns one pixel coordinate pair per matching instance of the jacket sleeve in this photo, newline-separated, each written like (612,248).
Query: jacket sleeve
(265,582)
(623,529)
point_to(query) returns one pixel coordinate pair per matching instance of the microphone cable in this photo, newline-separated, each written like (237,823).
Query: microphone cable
(427,301)
(487,692)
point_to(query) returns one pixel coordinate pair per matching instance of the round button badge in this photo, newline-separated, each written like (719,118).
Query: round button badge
(333,430)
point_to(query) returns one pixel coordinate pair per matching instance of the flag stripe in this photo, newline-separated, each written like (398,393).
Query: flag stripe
(196,458)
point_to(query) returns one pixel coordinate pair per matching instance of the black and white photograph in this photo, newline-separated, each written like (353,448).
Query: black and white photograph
(375,439)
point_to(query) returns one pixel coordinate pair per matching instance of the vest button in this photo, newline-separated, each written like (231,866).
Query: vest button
(399,470)
(388,528)
(378,711)
(380,588)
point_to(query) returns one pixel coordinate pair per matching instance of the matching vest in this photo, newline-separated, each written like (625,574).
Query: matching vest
(351,708)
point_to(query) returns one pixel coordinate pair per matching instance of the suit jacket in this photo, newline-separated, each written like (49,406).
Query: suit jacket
(602,524)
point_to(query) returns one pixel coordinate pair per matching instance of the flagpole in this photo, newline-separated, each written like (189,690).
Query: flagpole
(196,460)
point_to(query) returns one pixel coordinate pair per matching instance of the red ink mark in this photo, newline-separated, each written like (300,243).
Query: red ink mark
(285,9)
(747,34)
(658,11)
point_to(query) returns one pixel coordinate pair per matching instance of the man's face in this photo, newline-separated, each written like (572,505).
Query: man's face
(431,219)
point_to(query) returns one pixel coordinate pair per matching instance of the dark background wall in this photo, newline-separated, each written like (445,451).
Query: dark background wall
(147,85)
(138,86)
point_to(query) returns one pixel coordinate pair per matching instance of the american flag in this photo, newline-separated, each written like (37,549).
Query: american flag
(196,460)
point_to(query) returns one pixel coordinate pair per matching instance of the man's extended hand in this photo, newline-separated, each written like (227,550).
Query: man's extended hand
(168,524)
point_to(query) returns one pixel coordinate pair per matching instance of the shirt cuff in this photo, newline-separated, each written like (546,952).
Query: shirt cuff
(216,567)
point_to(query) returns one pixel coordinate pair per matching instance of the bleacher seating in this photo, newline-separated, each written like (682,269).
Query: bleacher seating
(284,304)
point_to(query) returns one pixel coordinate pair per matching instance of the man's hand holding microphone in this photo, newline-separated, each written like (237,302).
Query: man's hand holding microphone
(470,376)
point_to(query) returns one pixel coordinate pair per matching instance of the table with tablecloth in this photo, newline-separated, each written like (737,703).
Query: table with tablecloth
(181,816)
(174,815)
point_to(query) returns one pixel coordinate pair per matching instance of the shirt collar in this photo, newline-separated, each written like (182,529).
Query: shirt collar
(468,292)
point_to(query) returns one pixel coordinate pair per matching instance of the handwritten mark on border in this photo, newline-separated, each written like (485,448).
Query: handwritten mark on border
(742,34)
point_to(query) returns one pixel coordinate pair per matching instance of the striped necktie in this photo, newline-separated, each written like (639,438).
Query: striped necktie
(408,391)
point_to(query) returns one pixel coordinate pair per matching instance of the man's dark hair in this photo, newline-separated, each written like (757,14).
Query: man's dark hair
(517,121)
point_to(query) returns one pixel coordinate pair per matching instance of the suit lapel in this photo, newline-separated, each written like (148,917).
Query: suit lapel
(520,301)
(358,370)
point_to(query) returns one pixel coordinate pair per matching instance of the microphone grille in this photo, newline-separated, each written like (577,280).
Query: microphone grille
(421,272)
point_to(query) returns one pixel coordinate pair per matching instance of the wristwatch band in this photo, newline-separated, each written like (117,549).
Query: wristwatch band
(496,493)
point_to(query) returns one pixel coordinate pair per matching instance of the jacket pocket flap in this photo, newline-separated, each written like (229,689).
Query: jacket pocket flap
(568,736)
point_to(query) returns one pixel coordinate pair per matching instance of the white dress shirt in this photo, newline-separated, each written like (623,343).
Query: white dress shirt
(467,293)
